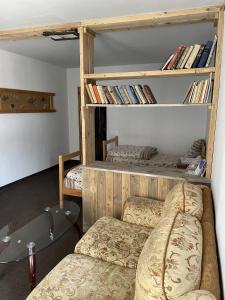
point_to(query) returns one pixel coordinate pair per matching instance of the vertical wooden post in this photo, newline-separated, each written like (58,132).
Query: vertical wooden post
(87,113)
(213,115)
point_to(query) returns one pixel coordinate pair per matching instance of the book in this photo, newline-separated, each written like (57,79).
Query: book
(187,56)
(97,96)
(143,94)
(198,57)
(92,93)
(176,53)
(131,96)
(89,94)
(116,95)
(211,52)
(205,54)
(107,94)
(151,96)
(102,94)
(123,94)
(165,65)
(182,58)
(139,92)
(186,98)
(125,91)
(178,57)
(192,56)
(119,95)
(134,94)
(111,91)
(204,90)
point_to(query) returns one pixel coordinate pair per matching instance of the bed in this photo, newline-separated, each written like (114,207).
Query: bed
(70,181)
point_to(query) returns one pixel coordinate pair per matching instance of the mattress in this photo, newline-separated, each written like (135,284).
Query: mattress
(132,151)
(158,160)
(73,179)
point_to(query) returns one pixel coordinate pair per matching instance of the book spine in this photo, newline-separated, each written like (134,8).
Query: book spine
(187,56)
(150,94)
(92,93)
(112,94)
(198,57)
(182,58)
(192,57)
(136,88)
(119,95)
(178,57)
(211,52)
(126,92)
(107,94)
(147,96)
(89,94)
(100,94)
(176,53)
(96,94)
(165,65)
(124,96)
(144,99)
(128,88)
(205,54)
(135,96)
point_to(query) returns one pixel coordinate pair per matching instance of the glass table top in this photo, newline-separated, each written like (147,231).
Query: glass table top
(38,233)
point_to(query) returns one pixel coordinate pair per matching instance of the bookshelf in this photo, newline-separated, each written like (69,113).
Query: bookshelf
(180,105)
(150,74)
(90,28)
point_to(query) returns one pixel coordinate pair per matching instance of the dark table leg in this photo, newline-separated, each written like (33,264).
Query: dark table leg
(32,265)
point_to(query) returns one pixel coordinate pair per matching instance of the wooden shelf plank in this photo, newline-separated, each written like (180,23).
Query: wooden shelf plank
(155,19)
(146,74)
(151,105)
(15,111)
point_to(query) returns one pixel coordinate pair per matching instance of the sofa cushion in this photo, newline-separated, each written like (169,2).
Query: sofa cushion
(114,241)
(142,211)
(170,262)
(79,277)
(185,197)
(197,295)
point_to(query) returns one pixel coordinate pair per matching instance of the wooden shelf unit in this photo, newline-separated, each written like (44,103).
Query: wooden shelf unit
(88,30)
(191,105)
(148,74)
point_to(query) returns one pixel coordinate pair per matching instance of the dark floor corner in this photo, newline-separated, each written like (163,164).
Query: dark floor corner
(20,201)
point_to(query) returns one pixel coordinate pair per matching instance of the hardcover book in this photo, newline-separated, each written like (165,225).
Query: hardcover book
(192,56)
(205,54)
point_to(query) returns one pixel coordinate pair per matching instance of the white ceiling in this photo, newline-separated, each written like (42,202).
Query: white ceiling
(115,48)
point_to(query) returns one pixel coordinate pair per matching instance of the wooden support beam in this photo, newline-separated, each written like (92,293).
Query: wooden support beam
(153,19)
(215,97)
(87,114)
(35,31)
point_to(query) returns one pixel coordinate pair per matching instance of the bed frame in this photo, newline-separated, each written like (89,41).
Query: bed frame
(62,172)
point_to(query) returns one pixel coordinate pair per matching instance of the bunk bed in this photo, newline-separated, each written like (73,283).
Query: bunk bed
(71,180)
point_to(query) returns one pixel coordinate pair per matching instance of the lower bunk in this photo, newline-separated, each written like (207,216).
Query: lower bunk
(145,159)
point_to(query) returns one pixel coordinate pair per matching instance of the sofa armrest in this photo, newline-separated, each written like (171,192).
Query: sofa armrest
(142,211)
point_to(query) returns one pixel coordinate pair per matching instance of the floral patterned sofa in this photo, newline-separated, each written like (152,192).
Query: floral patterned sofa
(159,250)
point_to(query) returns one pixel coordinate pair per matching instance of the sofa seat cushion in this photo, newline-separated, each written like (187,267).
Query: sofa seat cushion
(184,197)
(142,211)
(197,295)
(79,277)
(170,262)
(114,241)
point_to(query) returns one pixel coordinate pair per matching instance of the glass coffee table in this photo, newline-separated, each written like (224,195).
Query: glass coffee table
(36,235)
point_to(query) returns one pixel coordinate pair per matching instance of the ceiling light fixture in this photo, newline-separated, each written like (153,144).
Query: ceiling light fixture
(67,35)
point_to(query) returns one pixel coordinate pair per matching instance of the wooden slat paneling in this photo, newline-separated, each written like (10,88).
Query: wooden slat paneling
(105,192)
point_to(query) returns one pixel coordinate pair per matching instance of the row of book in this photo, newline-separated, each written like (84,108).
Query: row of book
(199,92)
(194,56)
(124,94)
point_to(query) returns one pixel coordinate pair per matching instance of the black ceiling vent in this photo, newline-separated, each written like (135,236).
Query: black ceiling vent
(67,35)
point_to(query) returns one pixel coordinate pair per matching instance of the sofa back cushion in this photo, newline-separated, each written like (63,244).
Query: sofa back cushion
(184,197)
(170,262)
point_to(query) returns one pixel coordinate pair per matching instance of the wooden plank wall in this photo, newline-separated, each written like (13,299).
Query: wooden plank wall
(104,192)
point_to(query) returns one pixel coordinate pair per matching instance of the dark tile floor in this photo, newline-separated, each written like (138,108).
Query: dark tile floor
(19,201)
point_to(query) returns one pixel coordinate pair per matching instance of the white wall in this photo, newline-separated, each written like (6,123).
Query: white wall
(31,142)
(218,172)
(171,130)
